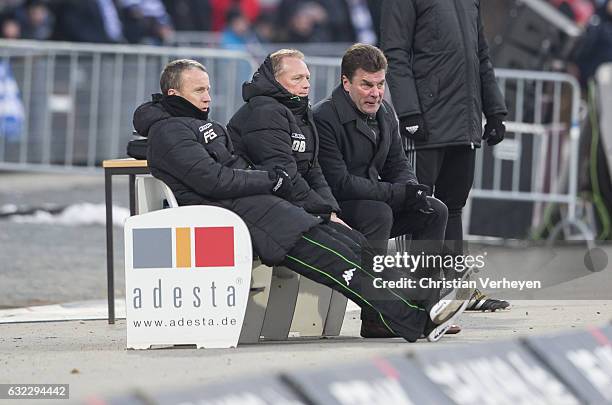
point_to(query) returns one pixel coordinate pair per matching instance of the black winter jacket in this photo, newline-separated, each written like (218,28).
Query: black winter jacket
(439,67)
(356,166)
(195,159)
(268,133)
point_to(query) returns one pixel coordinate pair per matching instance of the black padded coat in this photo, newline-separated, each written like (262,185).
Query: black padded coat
(439,67)
(269,134)
(195,159)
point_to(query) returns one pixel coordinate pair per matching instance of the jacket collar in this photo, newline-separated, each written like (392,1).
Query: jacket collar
(346,110)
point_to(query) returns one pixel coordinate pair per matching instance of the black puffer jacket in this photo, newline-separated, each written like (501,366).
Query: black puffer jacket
(439,67)
(267,132)
(194,158)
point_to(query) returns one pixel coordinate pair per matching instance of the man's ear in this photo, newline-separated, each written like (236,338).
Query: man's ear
(345,82)
(172,92)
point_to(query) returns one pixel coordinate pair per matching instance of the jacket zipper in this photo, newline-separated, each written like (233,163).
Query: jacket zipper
(467,73)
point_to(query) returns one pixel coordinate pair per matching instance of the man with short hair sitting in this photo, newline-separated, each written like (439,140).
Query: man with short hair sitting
(363,160)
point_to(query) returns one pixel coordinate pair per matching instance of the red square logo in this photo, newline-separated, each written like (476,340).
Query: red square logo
(214,247)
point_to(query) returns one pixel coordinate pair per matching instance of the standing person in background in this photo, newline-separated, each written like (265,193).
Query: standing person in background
(219,8)
(190,15)
(146,22)
(441,81)
(595,45)
(302,21)
(94,21)
(350,20)
(238,33)
(9,26)
(36,20)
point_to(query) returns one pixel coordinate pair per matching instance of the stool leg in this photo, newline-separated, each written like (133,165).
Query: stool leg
(110,273)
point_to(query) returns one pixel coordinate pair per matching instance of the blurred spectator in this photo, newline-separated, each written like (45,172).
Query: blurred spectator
(154,21)
(345,21)
(350,20)
(249,8)
(146,22)
(9,5)
(87,21)
(595,46)
(9,26)
(190,15)
(302,21)
(268,6)
(339,20)
(580,11)
(238,33)
(36,20)
(375,7)
(264,29)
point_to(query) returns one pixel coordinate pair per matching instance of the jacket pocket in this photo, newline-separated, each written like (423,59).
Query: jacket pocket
(428,92)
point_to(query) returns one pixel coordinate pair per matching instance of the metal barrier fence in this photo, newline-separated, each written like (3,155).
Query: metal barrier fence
(604,82)
(208,39)
(68,106)
(536,167)
(78,101)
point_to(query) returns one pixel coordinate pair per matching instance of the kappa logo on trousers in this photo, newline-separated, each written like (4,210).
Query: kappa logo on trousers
(348,275)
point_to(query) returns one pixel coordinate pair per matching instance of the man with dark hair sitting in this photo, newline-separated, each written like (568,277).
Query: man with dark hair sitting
(195,158)
(363,160)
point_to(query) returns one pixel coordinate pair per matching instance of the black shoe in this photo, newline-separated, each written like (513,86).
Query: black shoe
(376,330)
(480,302)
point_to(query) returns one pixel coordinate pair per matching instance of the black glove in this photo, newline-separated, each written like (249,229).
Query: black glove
(495,130)
(283,186)
(413,127)
(416,198)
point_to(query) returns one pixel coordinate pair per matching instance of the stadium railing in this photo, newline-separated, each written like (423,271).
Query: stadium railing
(72,103)
(77,103)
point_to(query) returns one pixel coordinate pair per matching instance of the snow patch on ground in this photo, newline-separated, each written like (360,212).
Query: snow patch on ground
(74,215)
(8,209)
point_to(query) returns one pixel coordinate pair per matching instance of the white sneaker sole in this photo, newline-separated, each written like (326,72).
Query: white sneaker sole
(439,331)
(456,300)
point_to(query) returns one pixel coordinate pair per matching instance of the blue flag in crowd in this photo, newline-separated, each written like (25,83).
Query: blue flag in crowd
(11,108)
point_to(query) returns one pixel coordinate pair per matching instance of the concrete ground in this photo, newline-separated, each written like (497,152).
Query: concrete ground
(47,264)
(91,355)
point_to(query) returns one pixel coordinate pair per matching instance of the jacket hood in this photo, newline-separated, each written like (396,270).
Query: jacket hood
(263,83)
(148,114)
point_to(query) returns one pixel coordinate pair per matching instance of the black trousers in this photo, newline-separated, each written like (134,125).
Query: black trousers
(449,171)
(378,223)
(340,258)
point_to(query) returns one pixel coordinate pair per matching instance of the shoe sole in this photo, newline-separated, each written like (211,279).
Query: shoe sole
(439,331)
(444,309)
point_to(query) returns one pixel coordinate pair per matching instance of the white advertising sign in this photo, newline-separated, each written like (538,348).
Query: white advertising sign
(187,275)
